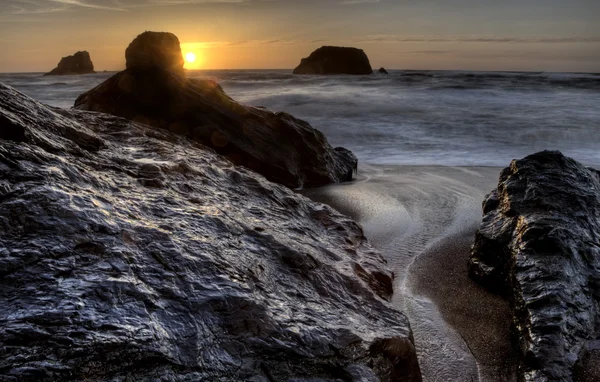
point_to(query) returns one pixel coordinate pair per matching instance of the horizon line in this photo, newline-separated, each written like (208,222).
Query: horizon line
(291,69)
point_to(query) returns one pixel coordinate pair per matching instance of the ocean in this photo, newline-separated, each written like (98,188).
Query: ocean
(454,118)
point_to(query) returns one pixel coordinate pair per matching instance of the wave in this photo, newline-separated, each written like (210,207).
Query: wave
(417,74)
(410,116)
(432,80)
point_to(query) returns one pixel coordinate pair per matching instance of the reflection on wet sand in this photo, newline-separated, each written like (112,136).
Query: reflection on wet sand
(423,219)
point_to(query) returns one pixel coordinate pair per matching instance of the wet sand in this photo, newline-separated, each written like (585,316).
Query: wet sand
(482,319)
(423,220)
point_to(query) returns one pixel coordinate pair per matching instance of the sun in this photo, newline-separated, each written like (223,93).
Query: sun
(190,57)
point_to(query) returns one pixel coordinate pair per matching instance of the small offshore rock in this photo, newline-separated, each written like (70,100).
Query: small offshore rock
(335,60)
(79,63)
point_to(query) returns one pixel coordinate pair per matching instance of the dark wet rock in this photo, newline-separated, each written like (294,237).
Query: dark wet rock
(79,63)
(133,253)
(382,71)
(155,49)
(152,91)
(284,149)
(335,60)
(539,244)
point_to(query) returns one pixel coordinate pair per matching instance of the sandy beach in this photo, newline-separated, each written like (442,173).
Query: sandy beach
(423,219)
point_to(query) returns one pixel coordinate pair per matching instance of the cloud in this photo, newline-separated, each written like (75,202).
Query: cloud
(215,44)
(203,45)
(351,2)
(166,3)
(90,4)
(39,7)
(434,52)
(22,7)
(29,7)
(476,39)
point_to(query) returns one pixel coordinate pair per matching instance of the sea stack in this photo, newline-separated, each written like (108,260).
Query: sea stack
(79,63)
(382,71)
(161,49)
(335,60)
(154,91)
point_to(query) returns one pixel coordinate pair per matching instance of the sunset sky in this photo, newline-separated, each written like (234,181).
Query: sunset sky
(536,35)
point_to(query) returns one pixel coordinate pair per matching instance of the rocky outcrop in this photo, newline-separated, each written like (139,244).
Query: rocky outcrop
(335,60)
(539,243)
(130,253)
(284,149)
(155,49)
(382,71)
(79,63)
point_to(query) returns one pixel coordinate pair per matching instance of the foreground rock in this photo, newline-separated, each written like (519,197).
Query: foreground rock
(284,149)
(335,60)
(128,253)
(79,63)
(539,244)
(155,49)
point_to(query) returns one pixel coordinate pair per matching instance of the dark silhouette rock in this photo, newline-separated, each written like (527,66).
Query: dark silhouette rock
(284,149)
(539,244)
(132,253)
(383,71)
(155,49)
(79,63)
(335,60)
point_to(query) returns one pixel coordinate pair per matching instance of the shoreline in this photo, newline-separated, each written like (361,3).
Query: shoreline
(423,220)
(482,319)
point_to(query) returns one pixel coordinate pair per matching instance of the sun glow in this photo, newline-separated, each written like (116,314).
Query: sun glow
(190,57)
(194,55)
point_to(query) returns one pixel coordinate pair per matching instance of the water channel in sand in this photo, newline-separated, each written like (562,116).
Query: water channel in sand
(423,219)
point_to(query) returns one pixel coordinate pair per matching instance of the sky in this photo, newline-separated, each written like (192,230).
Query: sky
(528,35)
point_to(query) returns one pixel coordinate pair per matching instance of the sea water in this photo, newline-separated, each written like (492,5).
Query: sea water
(456,118)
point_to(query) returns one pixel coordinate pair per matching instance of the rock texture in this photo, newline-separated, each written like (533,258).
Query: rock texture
(155,49)
(335,60)
(539,243)
(383,71)
(79,63)
(130,253)
(284,149)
